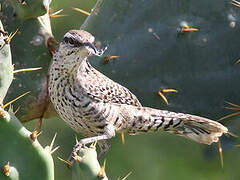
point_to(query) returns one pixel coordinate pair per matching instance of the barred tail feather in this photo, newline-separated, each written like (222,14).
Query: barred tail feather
(201,130)
(196,128)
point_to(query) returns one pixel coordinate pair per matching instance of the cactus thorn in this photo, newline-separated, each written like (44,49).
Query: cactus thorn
(101,173)
(45,27)
(228,116)
(186,28)
(93,145)
(234,107)
(23,2)
(220,152)
(34,135)
(12,101)
(26,70)
(156,36)
(6,169)
(9,38)
(10,109)
(108,58)
(232,134)
(76,139)
(15,112)
(55,149)
(77,158)
(235,3)
(238,61)
(123,137)
(53,140)
(161,93)
(168,90)
(66,162)
(81,11)
(57,14)
(163,97)
(124,178)
(2,112)
(50,148)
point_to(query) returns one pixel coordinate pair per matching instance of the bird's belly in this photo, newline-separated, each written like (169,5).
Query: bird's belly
(85,117)
(76,109)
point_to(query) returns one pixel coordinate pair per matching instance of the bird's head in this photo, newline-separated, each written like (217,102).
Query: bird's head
(79,42)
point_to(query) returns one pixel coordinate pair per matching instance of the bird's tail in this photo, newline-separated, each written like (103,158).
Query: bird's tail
(199,129)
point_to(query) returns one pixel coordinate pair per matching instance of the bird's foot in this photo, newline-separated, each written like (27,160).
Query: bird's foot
(74,155)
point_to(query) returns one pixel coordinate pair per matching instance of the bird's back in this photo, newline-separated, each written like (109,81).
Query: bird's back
(100,88)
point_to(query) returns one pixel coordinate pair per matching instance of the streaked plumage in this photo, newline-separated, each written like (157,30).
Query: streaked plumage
(97,107)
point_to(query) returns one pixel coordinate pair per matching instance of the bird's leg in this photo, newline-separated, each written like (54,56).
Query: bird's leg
(108,134)
(84,142)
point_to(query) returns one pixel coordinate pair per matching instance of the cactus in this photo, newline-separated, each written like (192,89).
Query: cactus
(194,52)
(29,9)
(88,168)
(6,68)
(154,49)
(155,52)
(26,158)
(21,157)
(32,53)
(15,136)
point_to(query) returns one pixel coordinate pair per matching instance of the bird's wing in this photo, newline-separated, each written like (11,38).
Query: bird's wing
(101,88)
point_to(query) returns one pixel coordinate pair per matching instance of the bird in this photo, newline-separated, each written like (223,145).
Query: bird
(97,108)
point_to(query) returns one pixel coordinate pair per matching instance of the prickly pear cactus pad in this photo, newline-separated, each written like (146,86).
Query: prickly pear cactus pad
(189,46)
(28,51)
(22,157)
(26,9)
(6,68)
(157,52)
(29,48)
(88,168)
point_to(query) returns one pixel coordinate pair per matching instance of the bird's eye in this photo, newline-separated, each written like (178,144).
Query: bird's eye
(71,41)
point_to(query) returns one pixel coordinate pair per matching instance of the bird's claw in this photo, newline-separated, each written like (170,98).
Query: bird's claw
(73,158)
(74,155)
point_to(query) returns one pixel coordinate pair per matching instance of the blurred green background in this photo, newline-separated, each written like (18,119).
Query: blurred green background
(201,65)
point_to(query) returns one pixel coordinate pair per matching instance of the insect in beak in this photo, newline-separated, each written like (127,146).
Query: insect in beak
(92,48)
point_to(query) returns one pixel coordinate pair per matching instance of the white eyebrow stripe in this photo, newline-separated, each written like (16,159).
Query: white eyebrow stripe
(69,35)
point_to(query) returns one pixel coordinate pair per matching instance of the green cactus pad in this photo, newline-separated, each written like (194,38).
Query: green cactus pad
(89,167)
(6,68)
(155,53)
(28,9)
(27,158)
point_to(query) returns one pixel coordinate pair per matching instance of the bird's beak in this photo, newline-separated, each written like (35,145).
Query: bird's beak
(92,48)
